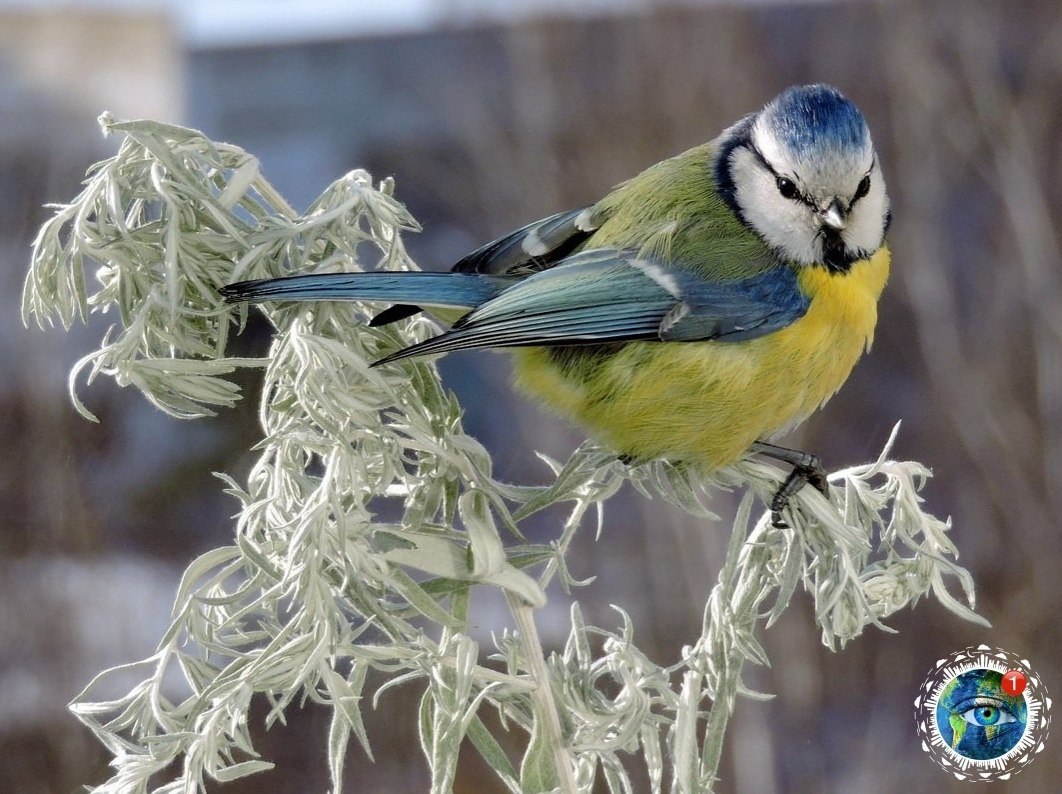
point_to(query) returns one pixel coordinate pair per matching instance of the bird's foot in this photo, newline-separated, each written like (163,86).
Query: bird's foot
(800,475)
(807,469)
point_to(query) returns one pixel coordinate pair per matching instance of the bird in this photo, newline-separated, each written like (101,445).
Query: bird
(697,312)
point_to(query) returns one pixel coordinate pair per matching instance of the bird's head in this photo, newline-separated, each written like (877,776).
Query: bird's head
(803,174)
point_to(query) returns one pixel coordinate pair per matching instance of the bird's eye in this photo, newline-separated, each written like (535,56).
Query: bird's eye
(786,187)
(862,188)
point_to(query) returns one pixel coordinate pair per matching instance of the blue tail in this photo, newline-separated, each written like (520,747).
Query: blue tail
(457,290)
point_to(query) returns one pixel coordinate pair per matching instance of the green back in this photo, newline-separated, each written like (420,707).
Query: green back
(672,211)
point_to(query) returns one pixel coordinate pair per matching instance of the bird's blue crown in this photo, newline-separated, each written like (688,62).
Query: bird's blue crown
(814,116)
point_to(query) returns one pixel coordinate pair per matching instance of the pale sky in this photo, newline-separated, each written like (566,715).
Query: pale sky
(220,22)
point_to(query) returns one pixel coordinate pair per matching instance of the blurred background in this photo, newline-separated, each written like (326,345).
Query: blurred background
(490,114)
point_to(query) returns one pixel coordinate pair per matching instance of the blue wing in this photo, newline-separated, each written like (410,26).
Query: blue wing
(609,295)
(532,248)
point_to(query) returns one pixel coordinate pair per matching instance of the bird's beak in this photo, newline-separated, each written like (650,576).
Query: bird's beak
(835,216)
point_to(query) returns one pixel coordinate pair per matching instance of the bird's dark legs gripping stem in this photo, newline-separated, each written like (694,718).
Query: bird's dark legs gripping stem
(807,468)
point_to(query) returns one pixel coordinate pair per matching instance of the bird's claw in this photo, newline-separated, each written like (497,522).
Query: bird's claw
(808,472)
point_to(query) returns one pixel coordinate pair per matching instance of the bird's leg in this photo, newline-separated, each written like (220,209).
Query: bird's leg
(807,468)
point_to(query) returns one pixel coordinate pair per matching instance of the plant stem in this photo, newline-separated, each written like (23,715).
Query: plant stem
(542,694)
(734,594)
(718,717)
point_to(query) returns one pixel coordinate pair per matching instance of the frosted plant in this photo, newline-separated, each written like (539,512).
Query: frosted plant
(316,591)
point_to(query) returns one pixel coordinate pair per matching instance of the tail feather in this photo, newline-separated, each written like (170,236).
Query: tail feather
(457,290)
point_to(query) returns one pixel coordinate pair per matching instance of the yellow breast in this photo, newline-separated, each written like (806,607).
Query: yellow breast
(708,401)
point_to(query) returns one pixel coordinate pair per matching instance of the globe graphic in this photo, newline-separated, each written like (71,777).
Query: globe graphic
(977,718)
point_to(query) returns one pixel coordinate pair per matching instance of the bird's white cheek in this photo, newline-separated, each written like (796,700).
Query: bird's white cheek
(863,233)
(784,224)
(866,225)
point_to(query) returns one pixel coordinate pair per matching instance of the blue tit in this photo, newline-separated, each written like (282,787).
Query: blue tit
(696,312)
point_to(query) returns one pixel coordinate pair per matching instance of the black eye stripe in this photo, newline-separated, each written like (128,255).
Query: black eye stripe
(797,195)
(861,189)
(765,163)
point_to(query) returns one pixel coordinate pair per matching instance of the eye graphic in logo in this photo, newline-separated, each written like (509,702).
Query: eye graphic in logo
(983,714)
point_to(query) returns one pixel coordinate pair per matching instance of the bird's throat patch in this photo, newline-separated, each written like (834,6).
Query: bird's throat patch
(835,254)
